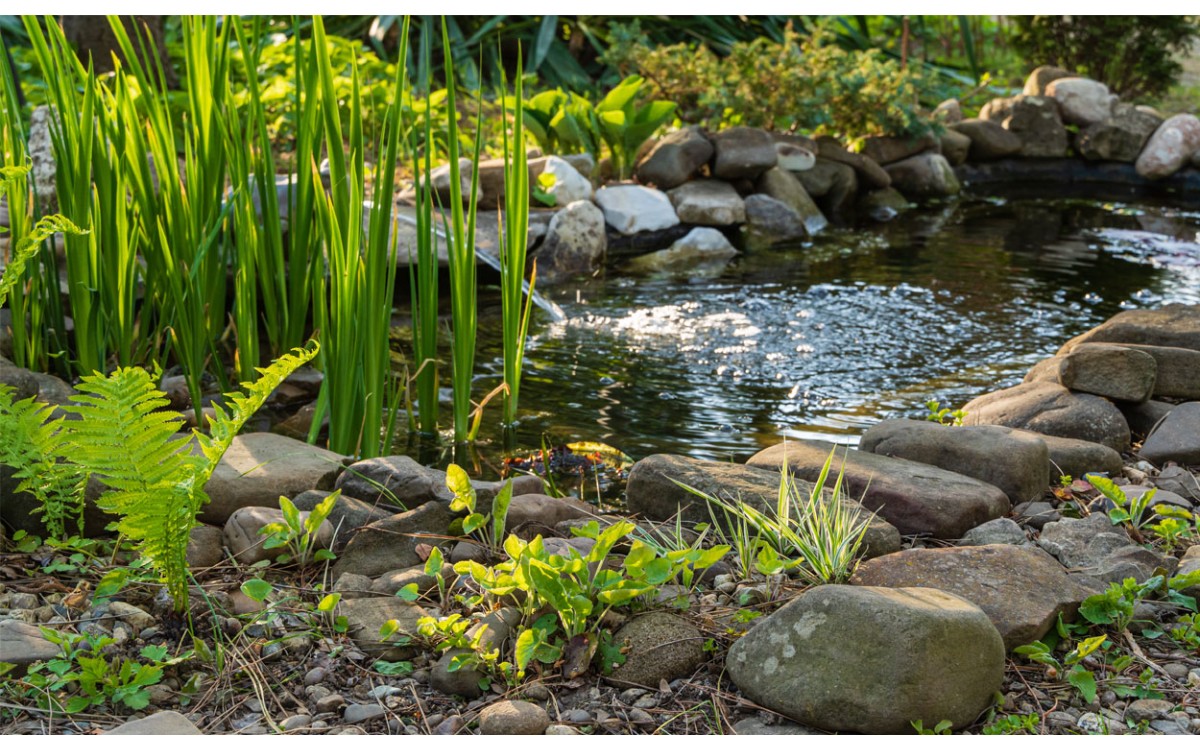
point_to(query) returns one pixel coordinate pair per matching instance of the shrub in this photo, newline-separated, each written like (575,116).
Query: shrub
(1134,55)
(796,83)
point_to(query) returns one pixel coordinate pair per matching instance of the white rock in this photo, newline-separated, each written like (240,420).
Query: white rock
(569,186)
(794,158)
(1082,100)
(702,245)
(1171,146)
(633,208)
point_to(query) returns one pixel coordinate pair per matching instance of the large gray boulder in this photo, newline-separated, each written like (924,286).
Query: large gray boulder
(1094,547)
(926,175)
(885,150)
(1035,120)
(1075,458)
(1175,325)
(1177,370)
(868,171)
(1177,438)
(569,185)
(871,660)
(913,497)
(22,381)
(1022,590)
(1041,77)
(989,140)
(261,466)
(836,184)
(1170,148)
(1107,370)
(1119,138)
(674,158)
(575,243)
(1051,409)
(1082,101)
(956,147)
(392,543)
(771,222)
(630,209)
(712,203)
(743,153)
(970,451)
(786,188)
(657,490)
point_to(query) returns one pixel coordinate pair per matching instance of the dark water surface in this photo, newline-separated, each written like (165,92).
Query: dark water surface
(825,339)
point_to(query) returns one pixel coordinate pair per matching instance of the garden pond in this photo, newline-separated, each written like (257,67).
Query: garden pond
(857,325)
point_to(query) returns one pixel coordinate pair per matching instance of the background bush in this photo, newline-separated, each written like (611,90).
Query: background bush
(1134,55)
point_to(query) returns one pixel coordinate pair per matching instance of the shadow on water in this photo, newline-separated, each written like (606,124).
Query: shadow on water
(826,338)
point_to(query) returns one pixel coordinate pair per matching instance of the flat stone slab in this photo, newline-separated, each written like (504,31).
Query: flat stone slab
(391,544)
(970,451)
(1022,590)
(1051,409)
(1074,458)
(1107,370)
(1178,369)
(22,643)
(913,497)
(163,722)
(399,482)
(261,466)
(872,660)
(652,493)
(1094,547)
(365,617)
(1170,325)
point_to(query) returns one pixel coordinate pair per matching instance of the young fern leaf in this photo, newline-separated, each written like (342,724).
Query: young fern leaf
(225,425)
(32,444)
(28,247)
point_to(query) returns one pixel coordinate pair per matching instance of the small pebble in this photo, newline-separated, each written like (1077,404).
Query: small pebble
(380,692)
(646,701)
(1091,723)
(1147,710)
(297,721)
(537,692)
(319,725)
(632,694)
(448,726)
(330,703)
(1177,670)
(356,713)
(577,716)
(638,716)
(561,729)
(395,726)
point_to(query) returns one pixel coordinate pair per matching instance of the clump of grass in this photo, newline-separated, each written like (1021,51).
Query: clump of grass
(814,535)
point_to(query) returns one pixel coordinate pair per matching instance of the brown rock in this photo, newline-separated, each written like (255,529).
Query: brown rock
(867,169)
(1051,409)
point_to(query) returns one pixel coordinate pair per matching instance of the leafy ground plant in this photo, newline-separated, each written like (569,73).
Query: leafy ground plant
(83,676)
(297,534)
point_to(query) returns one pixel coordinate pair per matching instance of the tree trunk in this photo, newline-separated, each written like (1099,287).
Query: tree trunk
(93,38)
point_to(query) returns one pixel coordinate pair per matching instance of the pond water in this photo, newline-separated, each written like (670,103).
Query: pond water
(860,324)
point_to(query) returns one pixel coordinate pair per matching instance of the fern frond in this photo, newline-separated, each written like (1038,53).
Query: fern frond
(46,227)
(160,520)
(225,425)
(32,444)
(123,437)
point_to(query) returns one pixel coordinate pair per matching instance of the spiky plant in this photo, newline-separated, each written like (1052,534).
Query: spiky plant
(156,483)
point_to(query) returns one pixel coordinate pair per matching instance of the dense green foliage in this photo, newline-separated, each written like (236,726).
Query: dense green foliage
(796,84)
(1134,55)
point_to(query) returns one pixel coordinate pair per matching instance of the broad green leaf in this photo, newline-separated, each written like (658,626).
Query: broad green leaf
(328,602)
(433,563)
(257,589)
(409,592)
(458,482)
(1084,681)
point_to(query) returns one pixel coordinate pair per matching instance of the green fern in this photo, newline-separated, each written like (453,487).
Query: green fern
(32,444)
(157,482)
